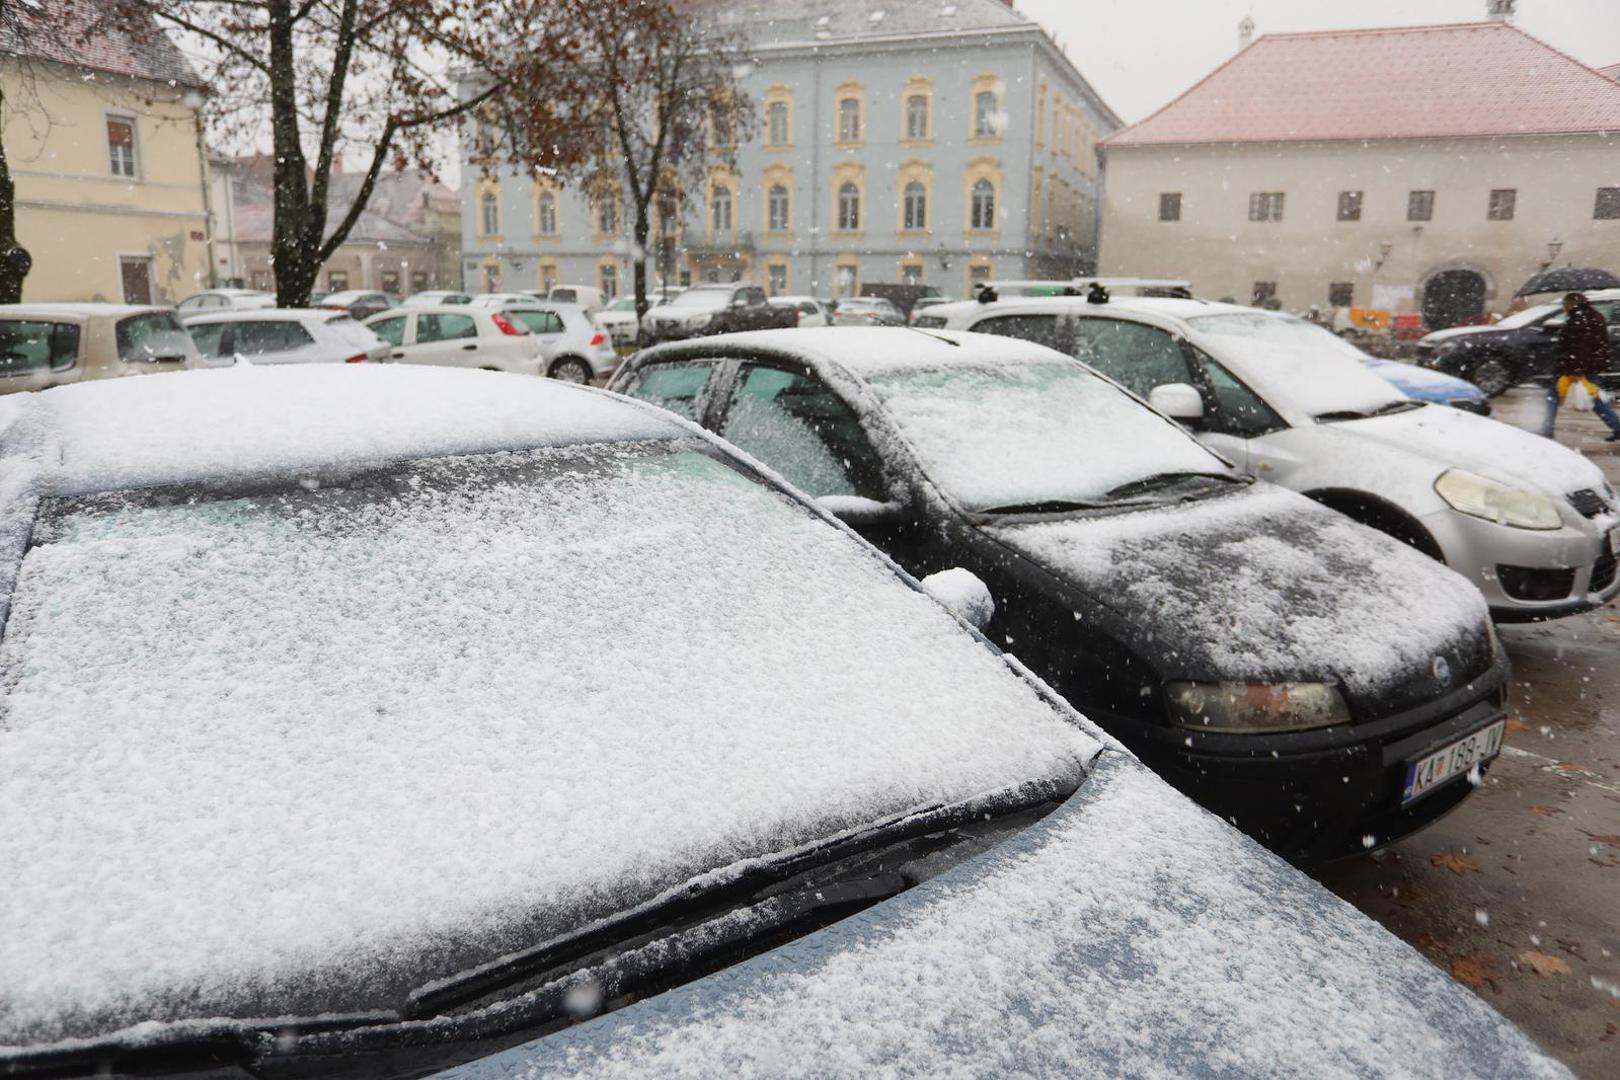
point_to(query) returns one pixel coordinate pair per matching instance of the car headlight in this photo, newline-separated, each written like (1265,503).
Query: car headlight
(1478,497)
(1255,708)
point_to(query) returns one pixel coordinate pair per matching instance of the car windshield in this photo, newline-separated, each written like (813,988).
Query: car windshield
(701,299)
(327,742)
(1527,317)
(1297,365)
(1037,434)
(627,304)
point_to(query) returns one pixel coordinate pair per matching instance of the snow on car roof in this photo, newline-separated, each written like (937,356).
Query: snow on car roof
(186,427)
(1128,934)
(81,310)
(270,314)
(315,747)
(866,351)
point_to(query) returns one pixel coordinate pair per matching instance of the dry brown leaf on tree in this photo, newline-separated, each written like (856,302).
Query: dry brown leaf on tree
(1543,964)
(1456,861)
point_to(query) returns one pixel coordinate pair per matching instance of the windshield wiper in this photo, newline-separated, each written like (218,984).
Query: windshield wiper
(1169,479)
(1045,506)
(1358,414)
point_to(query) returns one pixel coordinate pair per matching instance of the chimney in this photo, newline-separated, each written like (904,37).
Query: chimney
(1500,10)
(1245,32)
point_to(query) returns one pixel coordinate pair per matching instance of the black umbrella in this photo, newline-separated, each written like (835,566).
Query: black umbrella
(1568,279)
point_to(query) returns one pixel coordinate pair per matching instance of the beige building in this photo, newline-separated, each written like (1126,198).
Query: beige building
(103,139)
(1375,170)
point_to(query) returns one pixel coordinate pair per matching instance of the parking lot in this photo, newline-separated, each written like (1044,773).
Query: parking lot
(1516,893)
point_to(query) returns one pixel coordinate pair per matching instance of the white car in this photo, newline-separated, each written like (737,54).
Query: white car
(574,345)
(1534,525)
(226,300)
(812,312)
(586,296)
(436,298)
(284,336)
(460,335)
(620,320)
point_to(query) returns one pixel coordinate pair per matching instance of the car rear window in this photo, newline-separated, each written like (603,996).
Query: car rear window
(539,322)
(156,335)
(208,337)
(270,336)
(431,328)
(28,346)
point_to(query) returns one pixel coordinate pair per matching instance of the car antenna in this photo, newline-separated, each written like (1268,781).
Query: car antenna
(936,337)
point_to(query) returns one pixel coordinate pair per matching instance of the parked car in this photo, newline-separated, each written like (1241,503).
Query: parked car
(903,297)
(586,296)
(460,335)
(923,304)
(1258,650)
(619,319)
(866,311)
(705,310)
(280,336)
(574,346)
(358,303)
(1422,384)
(811,311)
(50,344)
(1521,347)
(384,800)
(436,298)
(225,300)
(1533,525)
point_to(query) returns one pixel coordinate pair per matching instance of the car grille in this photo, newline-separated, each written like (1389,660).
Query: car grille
(1603,573)
(1588,503)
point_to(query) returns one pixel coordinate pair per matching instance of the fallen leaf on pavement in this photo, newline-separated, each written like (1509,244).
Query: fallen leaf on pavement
(1455,861)
(1515,725)
(1543,964)
(1545,811)
(1475,969)
(1570,766)
(1612,839)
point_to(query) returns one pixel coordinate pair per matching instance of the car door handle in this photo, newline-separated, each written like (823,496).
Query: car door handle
(469,348)
(400,355)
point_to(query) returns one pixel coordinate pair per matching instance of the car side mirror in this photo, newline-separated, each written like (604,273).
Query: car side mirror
(1178,401)
(964,594)
(858,512)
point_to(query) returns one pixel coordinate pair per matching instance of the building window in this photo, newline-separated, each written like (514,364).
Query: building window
(848,277)
(1265,293)
(1608,204)
(917,117)
(720,210)
(390,281)
(607,213)
(1342,294)
(916,206)
(983,212)
(985,122)
(776,116)
(1266,206)
(489,208)
(1502,205)
(1349,206)
(978,277)
(1420,206)
(121,145)
(1170,206)
(776,275)
(849,120)
(849,207)
(911,274)
(419,280)
(548,276)
(776,209)
(548,214)
(337,280)
(608,274)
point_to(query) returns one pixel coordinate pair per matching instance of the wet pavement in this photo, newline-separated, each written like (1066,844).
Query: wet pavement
(1517,892)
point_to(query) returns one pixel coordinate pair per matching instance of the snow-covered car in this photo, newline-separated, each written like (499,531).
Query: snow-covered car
(574,345)
(225,300)
(812,312)
(446,734)
(436,298)
(460,335)
(619,319)
(1255,648)
(588,297)
(1422,384)
(360,303)
(1521,347)
(1534,525)
(45,345)
(866,311)
(284,336)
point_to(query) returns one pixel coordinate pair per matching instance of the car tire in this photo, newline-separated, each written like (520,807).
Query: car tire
(570,369)
(1492,375)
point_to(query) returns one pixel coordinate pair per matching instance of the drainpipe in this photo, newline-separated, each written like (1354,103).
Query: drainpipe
(192,100)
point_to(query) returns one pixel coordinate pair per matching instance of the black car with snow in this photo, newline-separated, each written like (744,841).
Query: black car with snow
(709,309)
(1525,345)
(1327,687)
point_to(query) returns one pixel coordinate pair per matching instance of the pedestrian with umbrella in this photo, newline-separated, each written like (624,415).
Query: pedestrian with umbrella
(1584,348)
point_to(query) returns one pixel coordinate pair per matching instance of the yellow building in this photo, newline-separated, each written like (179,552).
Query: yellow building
(103,140)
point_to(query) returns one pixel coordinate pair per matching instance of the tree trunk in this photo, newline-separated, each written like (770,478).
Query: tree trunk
(293,259)
(642,230)
(11,281)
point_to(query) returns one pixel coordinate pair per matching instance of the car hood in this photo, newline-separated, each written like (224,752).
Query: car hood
(1129,933)
(1490,448)
(1423,383)
(1265,585)
(1453,332)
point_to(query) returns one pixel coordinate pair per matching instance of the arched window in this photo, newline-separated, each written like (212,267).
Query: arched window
(607,213)
(849,120)
(720,209)
(776,208)
(917,116)
(985,125)
(608,276)
(490,207)
(916,205)
(548,214)
(984,205)
(777,123)
(849,207)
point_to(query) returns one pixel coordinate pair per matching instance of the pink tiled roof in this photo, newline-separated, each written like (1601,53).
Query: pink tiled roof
(1472,79)
(1612,72)
(93,36)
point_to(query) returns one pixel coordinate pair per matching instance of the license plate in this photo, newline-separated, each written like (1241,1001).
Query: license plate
(1449,762)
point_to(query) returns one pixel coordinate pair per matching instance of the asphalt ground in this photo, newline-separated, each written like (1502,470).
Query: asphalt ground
(1517,892)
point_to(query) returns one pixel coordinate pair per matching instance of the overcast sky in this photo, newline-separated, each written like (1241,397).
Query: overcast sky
(1138,54)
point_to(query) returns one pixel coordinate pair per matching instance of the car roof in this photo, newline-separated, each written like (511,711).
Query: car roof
(267,315)
(428,309)
(865,351)
(195,426)
(88,310)
(1170,307)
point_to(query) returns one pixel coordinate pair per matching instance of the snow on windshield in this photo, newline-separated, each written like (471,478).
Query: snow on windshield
(701,299)
(1525,317)
(258,753)
(1022,433)
(1295,366)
